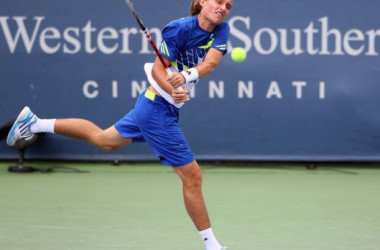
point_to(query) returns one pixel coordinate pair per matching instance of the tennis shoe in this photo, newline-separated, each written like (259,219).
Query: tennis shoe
(21,127)
(223,248)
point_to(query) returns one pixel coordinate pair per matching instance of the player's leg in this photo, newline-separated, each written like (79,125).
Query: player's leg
(27,124)
(191,177)
(80,129)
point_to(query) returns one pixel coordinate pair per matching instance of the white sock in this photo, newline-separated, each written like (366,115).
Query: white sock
(210,240)
(43,126)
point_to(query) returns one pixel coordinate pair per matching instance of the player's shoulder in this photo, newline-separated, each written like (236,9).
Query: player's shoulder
(186,22)
(223,27)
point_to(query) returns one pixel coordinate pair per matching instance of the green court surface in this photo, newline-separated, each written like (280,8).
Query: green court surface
(140,207)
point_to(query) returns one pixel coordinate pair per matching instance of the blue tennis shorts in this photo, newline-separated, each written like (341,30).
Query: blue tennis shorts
(155,121)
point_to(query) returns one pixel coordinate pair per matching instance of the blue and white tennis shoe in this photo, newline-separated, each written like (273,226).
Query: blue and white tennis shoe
(21,127)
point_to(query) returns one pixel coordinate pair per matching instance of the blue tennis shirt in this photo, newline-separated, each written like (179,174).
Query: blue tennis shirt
(186,44)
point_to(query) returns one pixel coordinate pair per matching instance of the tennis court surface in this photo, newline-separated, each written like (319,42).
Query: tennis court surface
(139,206)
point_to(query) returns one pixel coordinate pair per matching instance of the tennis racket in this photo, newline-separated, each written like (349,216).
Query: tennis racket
(143,28)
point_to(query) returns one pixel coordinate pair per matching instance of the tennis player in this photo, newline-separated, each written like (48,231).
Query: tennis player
(193,46)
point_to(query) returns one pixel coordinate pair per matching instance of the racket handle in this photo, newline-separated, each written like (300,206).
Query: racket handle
(169,72)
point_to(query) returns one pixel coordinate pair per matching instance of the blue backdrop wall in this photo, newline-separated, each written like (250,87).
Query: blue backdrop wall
(309,89)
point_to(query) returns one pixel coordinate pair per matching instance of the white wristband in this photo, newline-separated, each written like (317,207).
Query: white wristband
(191,75)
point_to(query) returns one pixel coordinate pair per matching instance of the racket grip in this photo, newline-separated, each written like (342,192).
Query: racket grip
(169,72)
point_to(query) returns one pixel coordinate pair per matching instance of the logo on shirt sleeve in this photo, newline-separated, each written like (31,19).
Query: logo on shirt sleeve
(222,47)
(164,49)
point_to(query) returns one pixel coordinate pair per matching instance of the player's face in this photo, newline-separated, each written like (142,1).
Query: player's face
(215,11)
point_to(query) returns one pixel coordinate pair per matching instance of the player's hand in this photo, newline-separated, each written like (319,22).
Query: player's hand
(180,95)
(175,79)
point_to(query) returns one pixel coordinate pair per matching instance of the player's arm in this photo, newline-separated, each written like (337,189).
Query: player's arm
(160,76)
(210,63)
(206,67)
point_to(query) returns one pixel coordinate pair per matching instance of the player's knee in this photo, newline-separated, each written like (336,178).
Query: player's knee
(106,141)
(108,147)
(195,180)
(198,180)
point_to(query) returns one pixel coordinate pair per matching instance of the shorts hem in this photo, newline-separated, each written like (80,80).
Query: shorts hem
(180,164)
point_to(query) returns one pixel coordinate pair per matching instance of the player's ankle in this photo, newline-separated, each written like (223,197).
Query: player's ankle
(210,240)
(43,126)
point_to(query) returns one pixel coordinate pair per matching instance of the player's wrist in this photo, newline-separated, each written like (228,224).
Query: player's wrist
(183,79)
(190,75)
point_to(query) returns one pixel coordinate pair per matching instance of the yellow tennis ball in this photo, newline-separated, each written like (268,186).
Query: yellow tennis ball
(238,54)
